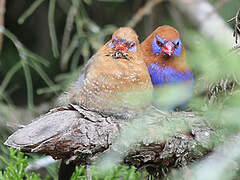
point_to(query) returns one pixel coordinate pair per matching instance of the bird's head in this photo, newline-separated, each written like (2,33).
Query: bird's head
(124,40)
(166,42)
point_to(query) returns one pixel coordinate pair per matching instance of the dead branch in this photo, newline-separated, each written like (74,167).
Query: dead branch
(82,137)
(236,31)
(202,15)
(146,9)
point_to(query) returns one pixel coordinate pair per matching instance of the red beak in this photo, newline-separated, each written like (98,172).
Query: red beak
(168,48)
(121,46)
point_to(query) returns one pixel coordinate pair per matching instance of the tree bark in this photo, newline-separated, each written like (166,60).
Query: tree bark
(80,136)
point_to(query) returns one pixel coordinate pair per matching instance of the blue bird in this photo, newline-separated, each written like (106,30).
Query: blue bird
(165,58)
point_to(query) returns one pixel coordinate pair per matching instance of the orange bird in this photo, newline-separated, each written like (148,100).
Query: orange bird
(165,58)
(115,80)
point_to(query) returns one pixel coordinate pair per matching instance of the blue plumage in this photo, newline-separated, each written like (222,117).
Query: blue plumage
(178,49)
(165,58)
(158,43)
(167,75)
(155,47)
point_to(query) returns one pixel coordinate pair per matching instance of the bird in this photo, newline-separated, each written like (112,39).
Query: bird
(115,81)
(164,55)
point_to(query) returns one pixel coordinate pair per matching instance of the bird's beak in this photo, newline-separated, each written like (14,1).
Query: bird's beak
(168,48)
(121,47)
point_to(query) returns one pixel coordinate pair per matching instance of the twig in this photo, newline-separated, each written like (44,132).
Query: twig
(236,31)
(52,28)
(29,11)
(69,51)
(67,30)
(160,111)
(236,47)
(88,172)
(2,11)
(146,9)
(15,125)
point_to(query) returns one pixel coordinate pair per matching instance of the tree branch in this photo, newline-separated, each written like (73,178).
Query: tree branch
(82,137)
(146,9)
(202,15)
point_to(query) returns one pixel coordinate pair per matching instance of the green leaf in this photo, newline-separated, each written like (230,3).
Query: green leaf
(29,11)
(52,30)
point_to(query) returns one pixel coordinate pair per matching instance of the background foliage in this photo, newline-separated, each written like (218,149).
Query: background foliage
(48,41)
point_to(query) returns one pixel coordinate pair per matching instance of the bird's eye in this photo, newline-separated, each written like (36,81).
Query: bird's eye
(159,43)
(114,41)
(176,44)
(130,45)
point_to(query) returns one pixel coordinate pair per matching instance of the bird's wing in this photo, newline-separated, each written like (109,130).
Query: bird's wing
(85,70)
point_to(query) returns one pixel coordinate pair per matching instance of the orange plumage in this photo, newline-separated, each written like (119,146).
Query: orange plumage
(115,81)
(169,33)
(164,55)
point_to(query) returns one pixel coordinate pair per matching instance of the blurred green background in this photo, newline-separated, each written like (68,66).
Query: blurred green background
(46,42)
(91,26)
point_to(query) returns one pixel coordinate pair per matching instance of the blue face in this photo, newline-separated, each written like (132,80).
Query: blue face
(122,44)
(167,48)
